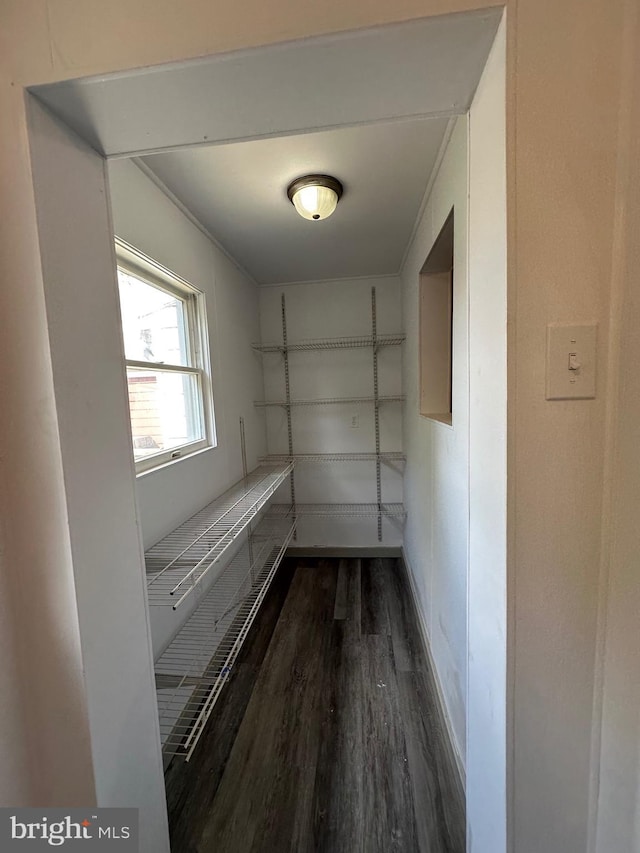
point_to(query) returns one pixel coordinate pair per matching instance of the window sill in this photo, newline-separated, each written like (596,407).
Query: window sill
(171,462)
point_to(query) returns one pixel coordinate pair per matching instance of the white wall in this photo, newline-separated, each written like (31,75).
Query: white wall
(560,252)
(335,309)
(487,608)
(41,761)
(147,219)
(455,485)
(78,263)
(616,759)
(436,482)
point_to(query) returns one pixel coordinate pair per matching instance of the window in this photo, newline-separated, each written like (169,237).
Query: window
(165,346)
(436,329)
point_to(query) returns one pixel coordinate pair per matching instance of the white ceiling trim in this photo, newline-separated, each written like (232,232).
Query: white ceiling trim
(302,131)
(346,278)
(151,175)
(427,193)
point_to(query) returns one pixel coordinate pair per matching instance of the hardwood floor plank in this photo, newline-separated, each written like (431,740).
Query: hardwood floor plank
(388,816)
(354,596)
(338,796)
(191,787)
(302,746)
(438,801)
(265,799)
(375,615)
(349,594)
(340,609)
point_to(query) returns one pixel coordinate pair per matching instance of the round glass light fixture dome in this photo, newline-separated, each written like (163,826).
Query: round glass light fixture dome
(315,196)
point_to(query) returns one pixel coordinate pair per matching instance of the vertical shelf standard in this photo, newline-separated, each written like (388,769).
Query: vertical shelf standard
(376,408)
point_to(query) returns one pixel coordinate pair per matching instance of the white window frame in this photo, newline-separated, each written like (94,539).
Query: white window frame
(131,261)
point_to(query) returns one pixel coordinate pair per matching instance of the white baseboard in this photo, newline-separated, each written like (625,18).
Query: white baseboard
(424,634)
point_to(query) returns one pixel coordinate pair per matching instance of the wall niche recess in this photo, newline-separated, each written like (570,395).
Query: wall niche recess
(436,328)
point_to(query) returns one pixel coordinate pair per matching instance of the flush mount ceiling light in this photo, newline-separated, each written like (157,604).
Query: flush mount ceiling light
(315,196)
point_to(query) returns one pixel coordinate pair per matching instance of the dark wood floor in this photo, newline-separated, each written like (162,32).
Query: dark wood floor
(328,738)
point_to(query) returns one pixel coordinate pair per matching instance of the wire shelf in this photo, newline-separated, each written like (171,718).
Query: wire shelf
(335,457)
(179,562)
(192,671)
(262,404)
(338,510)
(335,343)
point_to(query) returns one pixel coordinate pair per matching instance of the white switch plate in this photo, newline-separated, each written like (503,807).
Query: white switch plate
(567,346)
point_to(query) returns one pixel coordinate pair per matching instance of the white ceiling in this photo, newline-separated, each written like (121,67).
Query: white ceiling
(238,193)
(227,133)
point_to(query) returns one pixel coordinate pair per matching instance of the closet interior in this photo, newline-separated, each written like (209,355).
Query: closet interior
(212,572)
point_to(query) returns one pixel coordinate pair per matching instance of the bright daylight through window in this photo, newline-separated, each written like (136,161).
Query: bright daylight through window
(165,344)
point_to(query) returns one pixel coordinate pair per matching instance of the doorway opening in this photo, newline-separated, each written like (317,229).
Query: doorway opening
(68,153)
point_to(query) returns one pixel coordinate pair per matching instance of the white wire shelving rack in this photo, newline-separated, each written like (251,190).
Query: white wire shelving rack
(375,342)
(351,510)
(392,456)
(178,564)
(334,343)
(192,671)
(330,401)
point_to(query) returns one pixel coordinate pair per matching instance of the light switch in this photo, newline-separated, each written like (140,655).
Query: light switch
(571,362)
